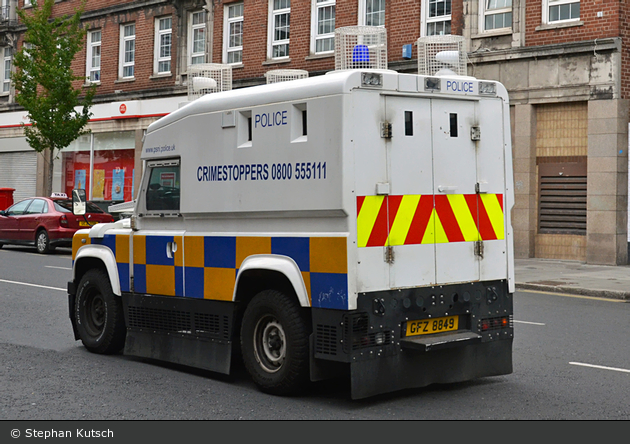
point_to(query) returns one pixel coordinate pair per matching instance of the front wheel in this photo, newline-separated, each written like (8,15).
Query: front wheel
(274,343)
(98,314)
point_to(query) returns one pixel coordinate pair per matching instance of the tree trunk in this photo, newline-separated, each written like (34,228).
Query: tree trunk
(49,178)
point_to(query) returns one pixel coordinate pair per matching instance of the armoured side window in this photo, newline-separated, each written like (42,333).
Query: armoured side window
(163,187)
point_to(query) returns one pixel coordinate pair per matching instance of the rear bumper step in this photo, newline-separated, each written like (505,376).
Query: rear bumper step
(440,341)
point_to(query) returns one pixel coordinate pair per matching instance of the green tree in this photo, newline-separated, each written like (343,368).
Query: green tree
(44,78)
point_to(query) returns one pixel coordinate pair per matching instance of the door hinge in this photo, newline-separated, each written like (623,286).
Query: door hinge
(386,130)
(389,255)
(475,133)
(479,249)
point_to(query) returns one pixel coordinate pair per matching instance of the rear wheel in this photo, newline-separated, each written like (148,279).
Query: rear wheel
(99,315)
(42,242)
(274,343)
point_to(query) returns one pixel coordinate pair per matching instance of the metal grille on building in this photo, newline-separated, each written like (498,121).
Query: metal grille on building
(18,170)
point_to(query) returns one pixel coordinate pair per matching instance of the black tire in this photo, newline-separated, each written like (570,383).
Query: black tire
(274,343)
(98,314)
(42,242)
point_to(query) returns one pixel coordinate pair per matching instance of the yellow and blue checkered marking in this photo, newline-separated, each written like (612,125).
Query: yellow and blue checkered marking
(206,267)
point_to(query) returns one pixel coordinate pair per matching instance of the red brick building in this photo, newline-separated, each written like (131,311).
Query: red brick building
(564,63)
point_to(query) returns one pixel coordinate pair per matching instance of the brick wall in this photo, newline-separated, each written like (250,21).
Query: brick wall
(593,27)
(402,21)
(109,24)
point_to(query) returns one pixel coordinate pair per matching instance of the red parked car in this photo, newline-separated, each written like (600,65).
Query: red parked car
(46,222)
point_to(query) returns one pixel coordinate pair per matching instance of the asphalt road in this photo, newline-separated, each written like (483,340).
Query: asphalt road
(571,362)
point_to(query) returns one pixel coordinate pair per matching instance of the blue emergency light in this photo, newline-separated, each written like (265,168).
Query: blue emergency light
(360,56)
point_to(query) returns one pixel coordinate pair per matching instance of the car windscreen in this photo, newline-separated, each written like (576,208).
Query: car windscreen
(65,206)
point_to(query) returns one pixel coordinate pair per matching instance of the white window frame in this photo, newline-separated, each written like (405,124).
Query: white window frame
(27,3)
(362,18)
(7,56)
(271,43)
(227,23)
(157,58)
(91,47)
(191,37)
(316,5)
(426,20)
(547,4)
(484,12)
(123,63)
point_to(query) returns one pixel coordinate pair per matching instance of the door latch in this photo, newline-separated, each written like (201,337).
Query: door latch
(475,133)
(386,130)
(389,255)
(479,249)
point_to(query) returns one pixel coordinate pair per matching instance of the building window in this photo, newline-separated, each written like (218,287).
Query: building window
(127,51)
(6,72)
(371,12)
(100,163)
(322,26)
(436,17)
(197,38)
(93,69)
(496,14)
(560,10)
(279,21)
(233,34)
(163,31)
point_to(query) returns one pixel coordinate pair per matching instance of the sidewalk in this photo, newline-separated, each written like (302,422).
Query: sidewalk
(573,277)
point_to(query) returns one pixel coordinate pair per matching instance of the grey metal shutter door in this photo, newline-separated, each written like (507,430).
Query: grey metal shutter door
(18,170)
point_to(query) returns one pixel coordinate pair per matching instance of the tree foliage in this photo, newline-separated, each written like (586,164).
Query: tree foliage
(44,80)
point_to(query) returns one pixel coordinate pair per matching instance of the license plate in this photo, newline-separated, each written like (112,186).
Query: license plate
(82,223)
(429,326)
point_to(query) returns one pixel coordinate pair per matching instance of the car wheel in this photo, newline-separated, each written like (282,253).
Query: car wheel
(42,242)
(274,343)
(98,314)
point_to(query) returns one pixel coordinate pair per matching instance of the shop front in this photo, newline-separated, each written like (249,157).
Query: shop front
(103,164)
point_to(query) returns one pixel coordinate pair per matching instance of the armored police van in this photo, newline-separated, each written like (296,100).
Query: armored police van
(353,224)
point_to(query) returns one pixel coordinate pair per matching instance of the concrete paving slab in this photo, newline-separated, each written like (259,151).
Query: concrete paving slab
(573,277)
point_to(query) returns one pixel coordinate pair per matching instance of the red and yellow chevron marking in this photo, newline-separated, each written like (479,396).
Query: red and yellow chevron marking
(428,219)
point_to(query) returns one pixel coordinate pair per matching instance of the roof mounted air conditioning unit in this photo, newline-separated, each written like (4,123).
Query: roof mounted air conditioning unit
(442,55)
(284,75)
(206,78)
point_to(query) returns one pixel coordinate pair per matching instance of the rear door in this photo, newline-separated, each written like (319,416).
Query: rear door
(455,179)
(32,219)
(411,219)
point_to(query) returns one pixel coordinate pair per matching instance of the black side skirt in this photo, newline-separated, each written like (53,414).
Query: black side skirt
(193,332)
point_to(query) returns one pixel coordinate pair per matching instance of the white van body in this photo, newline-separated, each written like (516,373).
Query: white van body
(377,201)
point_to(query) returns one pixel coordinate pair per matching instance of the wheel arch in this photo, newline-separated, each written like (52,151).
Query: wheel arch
(96,256)
(270,272)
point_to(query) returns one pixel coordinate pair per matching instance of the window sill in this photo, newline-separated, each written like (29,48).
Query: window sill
(276,61)
(88,84)
(131,79)
(320,56)
(487,34)
(547,26)
(161,76)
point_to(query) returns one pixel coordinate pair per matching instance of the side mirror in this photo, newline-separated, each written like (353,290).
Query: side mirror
(3,213)
(78,202)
